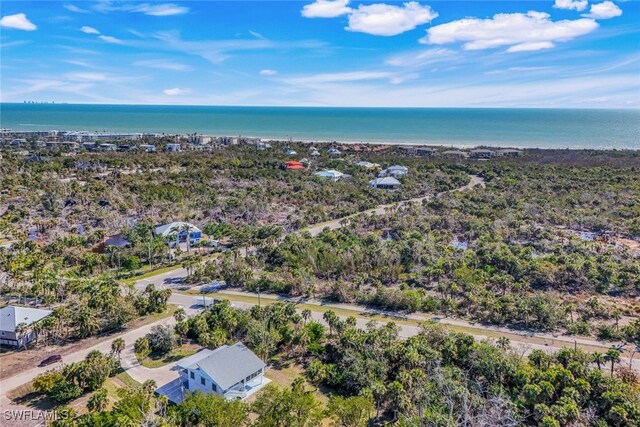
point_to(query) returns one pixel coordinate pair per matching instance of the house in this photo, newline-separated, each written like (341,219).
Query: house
(394,171)
(509,153)
(368,165)
(118,241)
(386,183)
(454,154)
(332,174)
(108,147)
(292,165)
(149,148)
(233,372)
(334,152)
(261,146)
(426,151)
(173,147)
(314,152)
(291,152)
(11,317)
(176,232)
(482,153)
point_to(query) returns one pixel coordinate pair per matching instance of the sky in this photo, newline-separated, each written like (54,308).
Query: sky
(565,54)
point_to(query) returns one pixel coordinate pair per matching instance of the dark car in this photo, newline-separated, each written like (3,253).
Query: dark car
(51,359)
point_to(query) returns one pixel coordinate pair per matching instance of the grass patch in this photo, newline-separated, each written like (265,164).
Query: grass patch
(158,361)
(151,273)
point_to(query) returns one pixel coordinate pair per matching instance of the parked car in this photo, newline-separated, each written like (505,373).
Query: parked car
(51,359)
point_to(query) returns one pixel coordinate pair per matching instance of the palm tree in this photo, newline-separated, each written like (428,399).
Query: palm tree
(613,356)
(180,314)
(186,227)
(599,359)
(21,330)
(117,346)
(306,315)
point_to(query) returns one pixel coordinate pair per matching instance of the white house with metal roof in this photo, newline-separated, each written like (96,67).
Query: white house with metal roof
(233,372)
(332,174)
(11,317)
(177,232)
(394,171)
(387,183)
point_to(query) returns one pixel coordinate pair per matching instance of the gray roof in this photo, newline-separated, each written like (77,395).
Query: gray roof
(11,316)
(226,365)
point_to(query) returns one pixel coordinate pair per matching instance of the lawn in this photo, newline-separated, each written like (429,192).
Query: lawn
(158,360)
(151,273)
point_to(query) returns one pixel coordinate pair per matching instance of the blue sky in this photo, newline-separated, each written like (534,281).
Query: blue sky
(571,53)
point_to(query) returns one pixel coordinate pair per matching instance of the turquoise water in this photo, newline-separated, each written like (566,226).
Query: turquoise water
(546,128)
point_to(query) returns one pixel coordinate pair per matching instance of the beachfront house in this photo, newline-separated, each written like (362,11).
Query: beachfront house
(16,324)
(456,154)
(334,152)
(509,152)
(426,151)
(291,152)
(386,183)
(314,152)
(331,174)
(173,148)
(175,233)
(108,147)
(233,372)
(482,153)
(149,148)
(395,171)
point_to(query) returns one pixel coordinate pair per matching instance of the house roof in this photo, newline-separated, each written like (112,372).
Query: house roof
(226,365)
(11,316)
(397,168)
(390,181)
(330,174)
(364,164)
(167,229)
(117,240)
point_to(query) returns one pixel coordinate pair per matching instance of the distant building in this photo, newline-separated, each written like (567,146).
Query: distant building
(314,152)
(332,174)
(174,148)
(11,317)
(509,153)
(482,153)
(233,372)
(387,183)
(108,147)
(149,148)
(426,151)
(455,154)
(334,152)
(292,165)
(367,165)
(395,171)
(176,232)
(291,152)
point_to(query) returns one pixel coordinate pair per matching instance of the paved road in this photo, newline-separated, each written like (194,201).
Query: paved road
(314,230)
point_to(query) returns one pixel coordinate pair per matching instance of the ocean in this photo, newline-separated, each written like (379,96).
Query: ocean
(463,127)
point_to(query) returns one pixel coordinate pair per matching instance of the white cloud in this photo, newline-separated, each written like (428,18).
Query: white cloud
(166,9)
(571,4)
(19,21)
(326,9)
(74,8)
(350,76)
(111,39)
(520,32)
(268,72)
(89,30)
(86,77)
(176,91)
(163,65)
(389,20)
(423,58)
(604,10)
(377,19)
